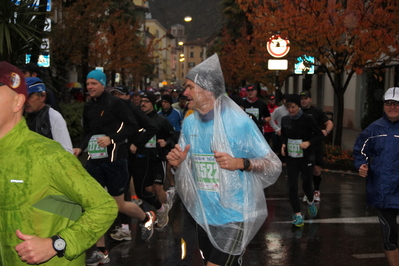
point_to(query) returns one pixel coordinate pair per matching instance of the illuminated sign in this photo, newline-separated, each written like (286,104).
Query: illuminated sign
(44,60)
(305,64)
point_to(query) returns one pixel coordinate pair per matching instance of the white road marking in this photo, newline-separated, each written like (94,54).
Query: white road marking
(349,220)
(369,256)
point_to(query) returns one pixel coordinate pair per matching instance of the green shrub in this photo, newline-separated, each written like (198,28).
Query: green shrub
(72,113)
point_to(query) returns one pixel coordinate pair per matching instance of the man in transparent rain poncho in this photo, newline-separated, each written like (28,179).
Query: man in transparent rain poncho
(222,164)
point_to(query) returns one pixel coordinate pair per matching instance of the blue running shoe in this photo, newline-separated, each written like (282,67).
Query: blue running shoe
(298,220)
(312,209)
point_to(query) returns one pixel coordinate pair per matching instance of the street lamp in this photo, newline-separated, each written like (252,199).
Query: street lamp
(188,18)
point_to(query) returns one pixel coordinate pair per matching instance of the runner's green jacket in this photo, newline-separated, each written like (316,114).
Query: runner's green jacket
(44,191)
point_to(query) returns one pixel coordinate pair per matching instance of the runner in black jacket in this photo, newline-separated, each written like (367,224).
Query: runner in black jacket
(299,133)
(107,125)
(149,166)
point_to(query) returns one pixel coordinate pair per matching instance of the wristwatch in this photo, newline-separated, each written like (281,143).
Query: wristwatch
(247,164)
(59,245)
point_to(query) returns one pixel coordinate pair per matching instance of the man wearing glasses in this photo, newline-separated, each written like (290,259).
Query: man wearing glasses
(376,154)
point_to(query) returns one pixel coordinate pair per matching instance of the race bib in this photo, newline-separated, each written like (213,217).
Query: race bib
(95,151)
(206,172)
(152,143)
(253,111)
(293,148)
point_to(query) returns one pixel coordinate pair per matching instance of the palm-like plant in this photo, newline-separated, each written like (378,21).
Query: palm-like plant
(18,29)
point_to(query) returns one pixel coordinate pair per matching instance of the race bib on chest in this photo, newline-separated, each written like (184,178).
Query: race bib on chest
(152,143)
(95,151)
(293,148)
(253,111)
(206,172)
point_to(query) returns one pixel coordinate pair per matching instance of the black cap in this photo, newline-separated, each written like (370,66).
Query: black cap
(271,97)
(167,97)
(33,68)
(150,96)
(123,90)
(294,98)
(305,94)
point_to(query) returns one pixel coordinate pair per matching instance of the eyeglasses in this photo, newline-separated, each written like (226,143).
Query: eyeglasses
(390,103)
(144,101)
(250,89)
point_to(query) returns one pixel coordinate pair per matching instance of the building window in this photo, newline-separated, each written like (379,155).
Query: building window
(191,64)
(191,54)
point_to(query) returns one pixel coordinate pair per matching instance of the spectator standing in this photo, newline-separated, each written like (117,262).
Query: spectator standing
(220,174)
(327,126)
(42,118)
(45,215)
(376,156)
(32,70)
(299,134)
(107,123)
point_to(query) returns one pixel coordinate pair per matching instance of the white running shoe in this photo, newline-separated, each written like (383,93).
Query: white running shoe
(121,234)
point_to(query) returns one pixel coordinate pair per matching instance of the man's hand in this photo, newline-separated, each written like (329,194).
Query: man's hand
(33,249)
(304,145)
(104,141)
(363,170)
(133,148)
(77,151)
(161,142)
(283,150)
(177,155)
(226,161)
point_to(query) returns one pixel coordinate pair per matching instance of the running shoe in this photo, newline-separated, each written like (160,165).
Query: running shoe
(147,229)
(297,220)
(312,209)
(97,257)
(121,234)
(162,216)
(317,195)
(137,201)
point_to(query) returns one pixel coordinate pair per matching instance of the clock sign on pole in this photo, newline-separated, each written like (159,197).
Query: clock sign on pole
(278,47)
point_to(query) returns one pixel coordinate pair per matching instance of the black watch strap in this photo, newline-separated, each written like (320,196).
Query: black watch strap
(59,245)
(247,164)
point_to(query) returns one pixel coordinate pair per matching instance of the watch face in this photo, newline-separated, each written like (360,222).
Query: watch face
(59,244)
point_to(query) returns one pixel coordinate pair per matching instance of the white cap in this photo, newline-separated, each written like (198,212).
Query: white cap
(392,94)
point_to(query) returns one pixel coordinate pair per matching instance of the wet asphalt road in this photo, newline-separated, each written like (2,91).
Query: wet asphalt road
(345,232)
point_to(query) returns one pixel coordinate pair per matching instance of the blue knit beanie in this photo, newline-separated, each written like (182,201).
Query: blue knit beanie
(98,75)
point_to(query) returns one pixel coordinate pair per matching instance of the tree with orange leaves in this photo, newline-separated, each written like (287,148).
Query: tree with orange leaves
(343,36)
(100,33)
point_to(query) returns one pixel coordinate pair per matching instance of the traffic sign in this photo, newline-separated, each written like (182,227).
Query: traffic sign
(277,46)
